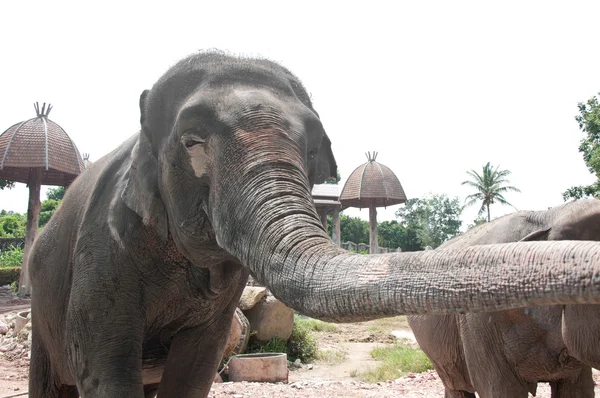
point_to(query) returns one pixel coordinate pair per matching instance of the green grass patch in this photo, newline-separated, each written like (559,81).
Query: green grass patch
(314,324)
(386,325)
(331,357)
(11,257)
(396,361)
(273,345)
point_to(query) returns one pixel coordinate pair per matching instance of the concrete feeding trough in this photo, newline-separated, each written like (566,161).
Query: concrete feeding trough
(21,320)
(262,367)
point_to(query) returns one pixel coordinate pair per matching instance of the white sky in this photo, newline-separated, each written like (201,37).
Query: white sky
(437,88)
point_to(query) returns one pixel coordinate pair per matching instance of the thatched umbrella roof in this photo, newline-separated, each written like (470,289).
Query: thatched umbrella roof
(370,184)
(39,143)
(37,152)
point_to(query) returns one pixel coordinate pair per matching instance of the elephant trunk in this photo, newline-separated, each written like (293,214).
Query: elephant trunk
(272,227)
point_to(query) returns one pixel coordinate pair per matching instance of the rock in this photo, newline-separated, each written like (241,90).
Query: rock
(270,318)
(239,334)
(217,379)
(8,347)
(3,328)
(250,296)
(298,362)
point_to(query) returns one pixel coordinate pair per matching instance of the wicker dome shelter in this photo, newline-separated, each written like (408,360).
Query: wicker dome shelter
(39,143)
(37,152)
(372,185)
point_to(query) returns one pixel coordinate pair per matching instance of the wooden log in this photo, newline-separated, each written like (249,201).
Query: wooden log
(33,215)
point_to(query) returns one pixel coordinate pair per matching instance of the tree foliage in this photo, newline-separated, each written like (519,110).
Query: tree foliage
(55,193)
(333,180)
(13,225)
(589,123)
(429,221)
(353,229)
(6,184)
(490,188)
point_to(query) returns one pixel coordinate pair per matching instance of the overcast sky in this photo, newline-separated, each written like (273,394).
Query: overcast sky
(437,88)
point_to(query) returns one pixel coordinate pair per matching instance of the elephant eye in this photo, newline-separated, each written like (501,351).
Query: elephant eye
(311,154)
(193,142)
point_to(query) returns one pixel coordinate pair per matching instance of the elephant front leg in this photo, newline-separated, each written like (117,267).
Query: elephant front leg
(105,358)
(194,358)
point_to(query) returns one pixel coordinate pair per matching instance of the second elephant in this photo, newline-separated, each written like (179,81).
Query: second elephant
(506,353)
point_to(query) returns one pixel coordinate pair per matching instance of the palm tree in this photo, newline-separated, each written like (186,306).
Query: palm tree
(490,186)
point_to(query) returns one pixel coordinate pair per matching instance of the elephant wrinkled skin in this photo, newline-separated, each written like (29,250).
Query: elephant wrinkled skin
(505,354)
(137,275)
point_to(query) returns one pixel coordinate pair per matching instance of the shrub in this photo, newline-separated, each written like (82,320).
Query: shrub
(8,276)
(12,257)
(302,344)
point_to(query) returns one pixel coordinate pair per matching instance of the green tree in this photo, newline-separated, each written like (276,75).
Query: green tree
(490,187)
(589,123)
(6,184)
(12,225)
(334,180)
(352,229)
(392,234)
(429,221)
(48,207)
(55,193)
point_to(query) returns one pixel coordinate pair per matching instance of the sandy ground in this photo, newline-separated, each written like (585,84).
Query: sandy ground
(318,380)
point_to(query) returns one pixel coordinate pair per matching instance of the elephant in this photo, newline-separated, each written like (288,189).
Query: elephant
(505,353)
(137,275)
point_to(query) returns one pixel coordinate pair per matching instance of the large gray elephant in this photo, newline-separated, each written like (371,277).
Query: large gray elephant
(505,354)
(136,277)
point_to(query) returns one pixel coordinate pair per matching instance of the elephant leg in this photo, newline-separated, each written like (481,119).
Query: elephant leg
(43,382)
(580,386)
(194,357)
(150,390)
(458,394)
(492,374)
(106,362)
(581,332)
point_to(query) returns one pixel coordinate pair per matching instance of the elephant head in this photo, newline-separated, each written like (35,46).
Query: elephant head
(226,158)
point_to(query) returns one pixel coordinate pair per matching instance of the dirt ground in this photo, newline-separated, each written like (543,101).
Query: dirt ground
(317,380)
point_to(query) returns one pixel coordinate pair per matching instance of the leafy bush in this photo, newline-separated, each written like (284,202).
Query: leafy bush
(8,276)
(302,344)
(12,225)
(12,257)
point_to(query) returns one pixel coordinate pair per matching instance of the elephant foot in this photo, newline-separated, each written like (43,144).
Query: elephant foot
(43,383)
(581,386)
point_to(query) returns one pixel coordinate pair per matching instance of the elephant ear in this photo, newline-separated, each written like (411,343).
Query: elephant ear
(540,234)
(141,193)
(324,165)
